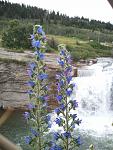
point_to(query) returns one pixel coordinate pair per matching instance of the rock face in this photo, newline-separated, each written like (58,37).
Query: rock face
(13,77)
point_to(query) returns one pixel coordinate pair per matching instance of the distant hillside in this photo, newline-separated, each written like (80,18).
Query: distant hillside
(83,38)
(17,11)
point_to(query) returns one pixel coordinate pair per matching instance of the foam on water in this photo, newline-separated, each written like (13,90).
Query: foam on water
(94,94)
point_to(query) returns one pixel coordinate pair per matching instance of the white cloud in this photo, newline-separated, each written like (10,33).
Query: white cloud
(93,9)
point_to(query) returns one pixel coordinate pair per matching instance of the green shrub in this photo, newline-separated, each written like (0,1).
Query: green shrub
(76,55)
(97,45)
(70,48)
(83,54)
(17,36)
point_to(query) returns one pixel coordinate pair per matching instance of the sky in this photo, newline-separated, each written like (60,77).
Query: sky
(92,9)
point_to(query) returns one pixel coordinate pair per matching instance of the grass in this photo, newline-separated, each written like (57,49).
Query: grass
(66,40)
(81,49)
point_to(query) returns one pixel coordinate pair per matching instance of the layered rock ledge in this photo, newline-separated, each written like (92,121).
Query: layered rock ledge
(13,77)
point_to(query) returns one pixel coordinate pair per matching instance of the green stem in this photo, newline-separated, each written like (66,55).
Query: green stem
(38,114)
(67,140)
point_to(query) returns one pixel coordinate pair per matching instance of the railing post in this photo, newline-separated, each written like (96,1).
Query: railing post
(111,2)
(5,144)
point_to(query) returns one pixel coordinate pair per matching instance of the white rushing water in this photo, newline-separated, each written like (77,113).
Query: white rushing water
(94,93)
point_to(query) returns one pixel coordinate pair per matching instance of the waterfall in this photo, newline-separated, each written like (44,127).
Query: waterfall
(94,93)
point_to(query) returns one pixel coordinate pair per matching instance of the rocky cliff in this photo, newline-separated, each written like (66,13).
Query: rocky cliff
(13,77)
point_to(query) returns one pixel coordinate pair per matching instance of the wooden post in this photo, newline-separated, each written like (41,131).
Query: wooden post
(111,2)
(6,115)
(5,144)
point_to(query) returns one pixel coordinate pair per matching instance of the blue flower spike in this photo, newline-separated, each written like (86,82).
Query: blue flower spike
(65,119)
(38,116)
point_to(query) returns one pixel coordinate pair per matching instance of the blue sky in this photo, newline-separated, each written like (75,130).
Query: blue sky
(92,9)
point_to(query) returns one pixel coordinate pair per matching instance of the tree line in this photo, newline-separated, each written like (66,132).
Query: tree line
(17,11)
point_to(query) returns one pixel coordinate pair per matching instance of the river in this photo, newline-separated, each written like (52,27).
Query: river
(94,93)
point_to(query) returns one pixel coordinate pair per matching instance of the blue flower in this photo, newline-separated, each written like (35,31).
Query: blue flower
(62,107)
(31,106)
(56,147)
(39,54)
(56,135)
(73,85)
(49,125)
(39,30)
(44,98)
(58,76)
(36,43)
(32,66)
(26,115)
(73,126)
(67,134)
(35,133)
(42,76)
(73,116)
(30,73)
(58,121)
(68,71)
(58,87)
(28,139)
(78,141)
(32,36)
(69,78)
(69,92)
(74,104)
(61,82)
(78,121)
(33,43)
(30,92)
(59,98)
(61,62)
(31,83)
(44,37)
(68,59)
(57,110)
(62,52)
(48,118)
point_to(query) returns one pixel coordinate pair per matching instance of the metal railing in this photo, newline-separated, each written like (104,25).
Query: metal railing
(111,2)
(5,144)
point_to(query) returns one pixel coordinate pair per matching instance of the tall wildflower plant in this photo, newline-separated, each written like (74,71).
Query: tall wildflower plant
(66,116)
(37,116)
